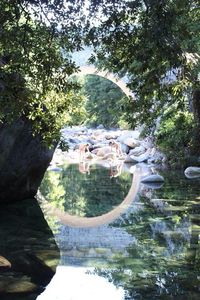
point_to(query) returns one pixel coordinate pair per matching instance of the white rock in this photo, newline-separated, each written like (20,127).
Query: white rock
(192,172)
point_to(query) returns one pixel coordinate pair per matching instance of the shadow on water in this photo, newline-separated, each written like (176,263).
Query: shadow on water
(27,242)
(152,251)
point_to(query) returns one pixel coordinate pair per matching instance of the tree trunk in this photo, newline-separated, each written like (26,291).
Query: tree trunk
(23,161)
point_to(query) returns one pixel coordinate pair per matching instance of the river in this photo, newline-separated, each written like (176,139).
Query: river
(145,248)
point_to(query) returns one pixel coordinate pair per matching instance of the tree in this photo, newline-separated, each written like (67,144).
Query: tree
(105,102)
(36,40)
(156,45)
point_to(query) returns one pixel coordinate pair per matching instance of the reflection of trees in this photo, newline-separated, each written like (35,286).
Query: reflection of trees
(85,194)
(164,260)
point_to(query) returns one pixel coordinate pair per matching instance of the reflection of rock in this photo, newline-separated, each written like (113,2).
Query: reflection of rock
(152,178)
(153,185)
(192,172)
(26,242)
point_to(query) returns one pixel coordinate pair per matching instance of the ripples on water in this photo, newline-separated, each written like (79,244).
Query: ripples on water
(150,252)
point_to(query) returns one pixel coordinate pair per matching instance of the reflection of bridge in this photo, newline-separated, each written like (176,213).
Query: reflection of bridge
(91,70)
(76,221)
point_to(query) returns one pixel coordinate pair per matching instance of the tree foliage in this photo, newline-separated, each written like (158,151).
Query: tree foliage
(35,63)
(155,44)
(106,103)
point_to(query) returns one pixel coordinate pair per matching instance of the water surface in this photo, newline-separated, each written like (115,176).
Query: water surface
(152,251)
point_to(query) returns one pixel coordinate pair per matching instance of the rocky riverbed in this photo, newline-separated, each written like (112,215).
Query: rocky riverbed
(134,150)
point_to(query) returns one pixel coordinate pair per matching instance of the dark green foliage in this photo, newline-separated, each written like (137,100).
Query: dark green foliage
(35,63)
(85,194)
(175,136)
(105,102)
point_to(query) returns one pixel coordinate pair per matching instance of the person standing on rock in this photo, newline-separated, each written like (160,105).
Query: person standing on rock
(83,148)
(116,146)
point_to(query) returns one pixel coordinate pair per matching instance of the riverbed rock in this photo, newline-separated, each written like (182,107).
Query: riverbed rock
(141,158)
(192,172)
(131,142)
(102,151)
(137,151)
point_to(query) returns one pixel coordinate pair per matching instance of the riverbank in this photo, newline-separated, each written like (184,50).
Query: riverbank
(134,150)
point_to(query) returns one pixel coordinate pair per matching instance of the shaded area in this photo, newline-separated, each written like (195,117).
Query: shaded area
(23,161)
(86,195)
(28,244)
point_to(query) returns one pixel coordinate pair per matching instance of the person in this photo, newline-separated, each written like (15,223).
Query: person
(116,146)
(83,148)
(115,170)
(84,167)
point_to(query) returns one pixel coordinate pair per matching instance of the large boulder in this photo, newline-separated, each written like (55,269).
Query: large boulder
(137,151)
(23,161)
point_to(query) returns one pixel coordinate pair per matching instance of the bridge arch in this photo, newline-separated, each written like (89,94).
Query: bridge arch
(92,70)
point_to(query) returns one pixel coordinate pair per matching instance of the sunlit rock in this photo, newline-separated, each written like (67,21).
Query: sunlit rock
(131,142)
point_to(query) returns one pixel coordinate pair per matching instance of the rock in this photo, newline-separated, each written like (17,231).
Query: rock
(131,142)
(54,169)
(129,134)
(137,151)
(140,158)
(74,140)
(192,172)
(152,178)
(125,148)
(103,151)
(153,185)
(23,161)
(100,126)
(128,159)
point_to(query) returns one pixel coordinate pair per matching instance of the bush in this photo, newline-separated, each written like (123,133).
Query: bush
(175,136)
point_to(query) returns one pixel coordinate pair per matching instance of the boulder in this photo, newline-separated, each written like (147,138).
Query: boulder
(192,172)
(131,142)
(137,151)
(152,178)
(23,161)
(140,158)
(125,148)
(128,159)
(103,151)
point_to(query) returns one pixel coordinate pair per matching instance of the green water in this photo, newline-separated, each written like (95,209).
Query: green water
(152,251)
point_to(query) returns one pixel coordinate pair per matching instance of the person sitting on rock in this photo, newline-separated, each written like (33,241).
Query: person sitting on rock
(116,146)
(83,148)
